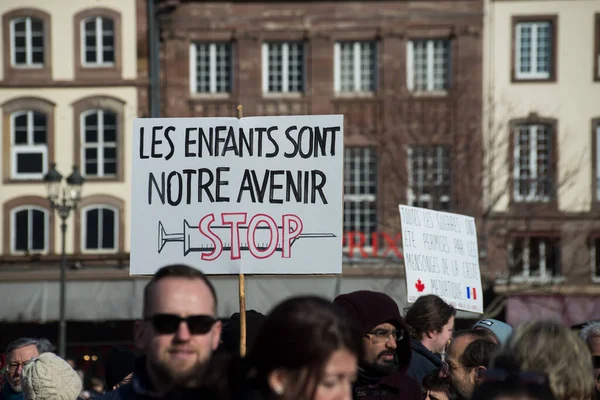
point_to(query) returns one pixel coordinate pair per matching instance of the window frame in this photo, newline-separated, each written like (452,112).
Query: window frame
(285,68)
(365,197)
(596,66)
(29,64)
(99,35)
(356,65)
(410,193)
(213,82)
(520,19)
(100,145)
(594,241)
(410,65)
(84,216)
(596,163)
(29,208)
(93,201)
(29,148)
(525,276)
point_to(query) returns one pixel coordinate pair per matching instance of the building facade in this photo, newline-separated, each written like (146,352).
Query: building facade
(541,127)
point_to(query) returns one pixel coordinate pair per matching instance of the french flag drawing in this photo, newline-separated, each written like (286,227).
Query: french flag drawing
(472,291)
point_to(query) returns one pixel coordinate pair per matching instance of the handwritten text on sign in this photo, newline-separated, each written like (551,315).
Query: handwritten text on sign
(441,257)
(253,195)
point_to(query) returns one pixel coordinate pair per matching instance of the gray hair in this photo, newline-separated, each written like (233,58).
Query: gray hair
(43,345)
(592,329)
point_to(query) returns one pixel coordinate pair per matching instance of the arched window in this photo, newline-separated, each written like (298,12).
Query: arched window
(100,228)
(99,143)
(27,42)
(29,229)
(98,41)
(29,144)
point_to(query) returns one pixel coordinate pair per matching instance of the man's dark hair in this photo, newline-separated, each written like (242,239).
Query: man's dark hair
(432,381)
(428,313)
(176,271)
(478,353)
(43,345)
(475,334)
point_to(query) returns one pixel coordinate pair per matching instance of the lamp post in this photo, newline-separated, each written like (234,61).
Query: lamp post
(64,199)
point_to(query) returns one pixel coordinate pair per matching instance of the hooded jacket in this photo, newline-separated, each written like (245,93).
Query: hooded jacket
(423,361)
(369,309)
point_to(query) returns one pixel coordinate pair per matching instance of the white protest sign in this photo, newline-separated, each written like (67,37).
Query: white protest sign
(258,195)
(441,257)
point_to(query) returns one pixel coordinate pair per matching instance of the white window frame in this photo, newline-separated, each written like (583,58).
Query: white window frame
(597,133)
(285,74)
(410,82)
(439,165)
(533,195)
(533,73)
(525,276)
(357,66)
(593,261)
(84,217)
(212,69)
(99,43)
(100,145)
(29,148)
(13,229)
(365,197)
(28,45)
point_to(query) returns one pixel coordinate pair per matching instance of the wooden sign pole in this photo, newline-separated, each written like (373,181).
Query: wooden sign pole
(242,291)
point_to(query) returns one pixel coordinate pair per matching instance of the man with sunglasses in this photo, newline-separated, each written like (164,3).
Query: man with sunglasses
(19,353)
(177,336)
(387,350)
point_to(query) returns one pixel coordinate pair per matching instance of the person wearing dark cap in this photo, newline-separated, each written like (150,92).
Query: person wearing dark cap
(387,349)
(119,367)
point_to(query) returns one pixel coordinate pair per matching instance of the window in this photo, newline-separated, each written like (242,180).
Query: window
(98,41)
(355,66)
(429,177)
(99,143)
(534,257)
(428,65)
(283,67)
(27,41)
(360,192)
(597,49)
(596,142)
(532,163)
(29,230)
(534,48)
(210,67)
(100,228)
(29,148)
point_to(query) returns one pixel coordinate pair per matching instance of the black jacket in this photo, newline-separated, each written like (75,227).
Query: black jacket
(423,361)
(140,387)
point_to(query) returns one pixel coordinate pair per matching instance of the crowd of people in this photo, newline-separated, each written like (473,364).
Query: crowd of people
(357,347)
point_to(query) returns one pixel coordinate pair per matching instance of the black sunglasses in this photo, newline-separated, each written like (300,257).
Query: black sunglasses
(169,323)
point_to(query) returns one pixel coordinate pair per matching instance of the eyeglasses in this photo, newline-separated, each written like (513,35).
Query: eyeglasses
(526,377)
(169,323)
(382,335)
(13,366)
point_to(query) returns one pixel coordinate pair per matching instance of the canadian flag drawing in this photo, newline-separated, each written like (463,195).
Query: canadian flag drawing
(471,291)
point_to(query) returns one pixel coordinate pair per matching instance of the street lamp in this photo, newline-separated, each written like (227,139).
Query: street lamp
(63,198)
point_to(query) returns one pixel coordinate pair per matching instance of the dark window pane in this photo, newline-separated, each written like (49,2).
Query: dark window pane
(39,128)
(91,128)
(20,129)
(91,135)
(37,57)
(91,229)
(108,229)
(20,57)
(107,24)
(21,230)
(20,42)
(110,153)
(110,135)
(20,27)
(37,41)
(91,168)
(108,41)
(30,163)
(91,155)
(38,229)
(90,56)
(110,168)
(37,25)
(90,41)
(108,56)
(90,27)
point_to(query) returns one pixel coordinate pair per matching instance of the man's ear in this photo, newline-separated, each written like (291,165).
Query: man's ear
(277,380)
(139,335)
(479,371)
(217,329)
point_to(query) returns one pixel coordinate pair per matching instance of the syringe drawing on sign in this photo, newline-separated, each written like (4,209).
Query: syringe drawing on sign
(236,236)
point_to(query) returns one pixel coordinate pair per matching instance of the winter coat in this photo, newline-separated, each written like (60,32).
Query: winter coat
(9,394)
(140,387)
(423,361)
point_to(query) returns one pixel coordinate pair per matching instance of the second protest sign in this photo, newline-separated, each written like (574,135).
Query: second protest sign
(258,195)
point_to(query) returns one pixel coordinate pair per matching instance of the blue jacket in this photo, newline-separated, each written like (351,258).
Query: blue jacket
(423,361)
(9,394)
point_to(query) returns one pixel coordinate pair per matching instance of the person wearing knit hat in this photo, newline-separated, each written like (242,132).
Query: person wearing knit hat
(499,331)
(387,349)
(49,377)
(120,363)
